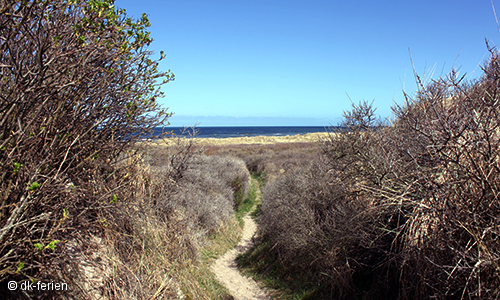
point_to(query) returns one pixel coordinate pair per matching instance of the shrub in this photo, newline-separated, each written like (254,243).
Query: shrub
(451,247)
(320,218)
(403,211)
(239,195)
(206,189)
(152,238)
(78,89)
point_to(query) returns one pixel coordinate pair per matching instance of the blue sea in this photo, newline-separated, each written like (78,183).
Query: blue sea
(242,131)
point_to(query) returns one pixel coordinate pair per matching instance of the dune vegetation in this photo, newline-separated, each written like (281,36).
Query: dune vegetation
(401,209)
(260,140)
(85,206)
(406,209)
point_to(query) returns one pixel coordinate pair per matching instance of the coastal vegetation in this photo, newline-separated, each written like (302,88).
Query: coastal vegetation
(83,202)
(406,208)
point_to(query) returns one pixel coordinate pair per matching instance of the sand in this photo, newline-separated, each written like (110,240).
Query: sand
(263,140)
(226,269)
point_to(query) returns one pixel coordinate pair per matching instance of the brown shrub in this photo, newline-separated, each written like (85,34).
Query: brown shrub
(403,211)
(301,218)
(451,245)
(157,225)
(320,219)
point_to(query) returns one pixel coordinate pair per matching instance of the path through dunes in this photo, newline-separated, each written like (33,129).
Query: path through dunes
(226,270)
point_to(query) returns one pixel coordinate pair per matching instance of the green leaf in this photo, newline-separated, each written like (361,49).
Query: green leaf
(115,198)
(38,246)
(388,230)
(20,266)
(17,166)
(35,185)
(52,244)
(81,40)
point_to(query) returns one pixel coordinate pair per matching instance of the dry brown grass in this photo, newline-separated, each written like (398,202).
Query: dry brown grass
(267,160)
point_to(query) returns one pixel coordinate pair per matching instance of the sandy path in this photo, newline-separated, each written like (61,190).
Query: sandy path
(226,270)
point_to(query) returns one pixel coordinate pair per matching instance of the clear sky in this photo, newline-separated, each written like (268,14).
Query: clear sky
(287,62)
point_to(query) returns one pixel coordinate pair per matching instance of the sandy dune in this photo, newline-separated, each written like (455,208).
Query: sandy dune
(299,138)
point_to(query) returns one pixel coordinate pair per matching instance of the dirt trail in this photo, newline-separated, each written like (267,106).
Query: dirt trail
(226,269)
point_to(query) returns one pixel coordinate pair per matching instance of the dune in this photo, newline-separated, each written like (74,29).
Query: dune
(264,140)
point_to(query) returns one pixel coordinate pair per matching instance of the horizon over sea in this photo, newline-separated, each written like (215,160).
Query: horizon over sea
(241,131)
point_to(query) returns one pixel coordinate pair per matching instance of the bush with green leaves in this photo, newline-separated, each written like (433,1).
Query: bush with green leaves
(78,87)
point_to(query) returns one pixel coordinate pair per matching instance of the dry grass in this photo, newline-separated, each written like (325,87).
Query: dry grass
(156,245)
(267,160)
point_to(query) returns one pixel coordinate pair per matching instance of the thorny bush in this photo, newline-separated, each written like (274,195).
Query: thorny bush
(407,210)
(451,237)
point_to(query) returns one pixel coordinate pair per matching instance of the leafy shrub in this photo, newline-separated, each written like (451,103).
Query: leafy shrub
(77,90)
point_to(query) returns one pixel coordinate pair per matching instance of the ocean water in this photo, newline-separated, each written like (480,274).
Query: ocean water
(242,131)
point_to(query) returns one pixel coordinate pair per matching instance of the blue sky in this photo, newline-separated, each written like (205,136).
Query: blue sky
(297,62)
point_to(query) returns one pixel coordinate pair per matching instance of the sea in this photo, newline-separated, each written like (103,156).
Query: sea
(220,132)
